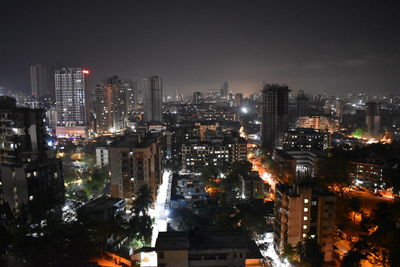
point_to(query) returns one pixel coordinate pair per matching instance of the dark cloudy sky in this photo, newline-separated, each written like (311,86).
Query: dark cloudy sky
(195,45)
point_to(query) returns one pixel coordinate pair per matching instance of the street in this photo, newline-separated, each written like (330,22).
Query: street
(160,211)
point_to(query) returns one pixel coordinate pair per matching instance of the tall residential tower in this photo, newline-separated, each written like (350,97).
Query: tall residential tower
(152,87)
(274,114)
(42,84)
(71,101)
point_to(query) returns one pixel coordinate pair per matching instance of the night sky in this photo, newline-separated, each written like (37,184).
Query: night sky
(195,45)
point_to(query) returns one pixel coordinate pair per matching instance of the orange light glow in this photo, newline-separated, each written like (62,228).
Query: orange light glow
(85,71)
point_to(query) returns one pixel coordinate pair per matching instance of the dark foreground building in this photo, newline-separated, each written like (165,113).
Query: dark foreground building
(206,248)
(29,173)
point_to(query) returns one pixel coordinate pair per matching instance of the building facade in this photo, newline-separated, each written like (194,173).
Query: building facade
(214,150)
(29,172)
(323,123)
(153,92)
(132,97)
(111,110)
(274,114)
(71,100)
(306,139)
(302,211)
(197,98)
(366,175)
(42,84)
(135,161)
(373,119)
(210,249)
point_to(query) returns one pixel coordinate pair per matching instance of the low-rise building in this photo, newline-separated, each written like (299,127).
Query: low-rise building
(213,151)
(103,208)
(367,175)
(324,123)
(294,164)
(252,186)
(306,139)
(209,248)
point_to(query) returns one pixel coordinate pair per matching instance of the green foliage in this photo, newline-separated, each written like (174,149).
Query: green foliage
(358,133)
(380,243)
(334,171)
(352,259)
(144,200)
(208,175)
(310,252)
(95,180)
(51,243)
(289,252)
(391,177)
(224,210)
(140,231)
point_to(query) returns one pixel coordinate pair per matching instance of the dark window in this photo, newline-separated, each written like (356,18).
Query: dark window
(161,254)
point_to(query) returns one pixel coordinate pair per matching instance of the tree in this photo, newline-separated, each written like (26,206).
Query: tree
(310,252)
(391,177)
(140,230)
(208,175)
(333,172)
(355,207)
(352,259)
(289,252)
(144,200)
(95,180)
(380,243)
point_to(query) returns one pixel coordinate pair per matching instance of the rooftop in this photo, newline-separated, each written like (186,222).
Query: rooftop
(103,203)
(197,240)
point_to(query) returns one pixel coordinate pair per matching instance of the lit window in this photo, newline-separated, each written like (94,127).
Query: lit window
(305,209)
(30,198)
(304,235)
(305,200)
(305,218)
(304,226)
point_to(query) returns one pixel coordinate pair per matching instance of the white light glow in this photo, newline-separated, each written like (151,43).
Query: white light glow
(160,212)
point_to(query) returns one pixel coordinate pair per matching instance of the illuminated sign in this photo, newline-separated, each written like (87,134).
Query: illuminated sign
(85,71)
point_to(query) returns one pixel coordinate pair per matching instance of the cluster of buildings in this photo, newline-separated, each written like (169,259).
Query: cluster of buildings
(76,109)
(213,129)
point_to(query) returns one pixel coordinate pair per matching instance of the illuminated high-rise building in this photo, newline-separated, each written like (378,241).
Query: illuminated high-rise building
(71,100)
(132,97)
(111,105)
(274,114)
(152,87)
(197,97)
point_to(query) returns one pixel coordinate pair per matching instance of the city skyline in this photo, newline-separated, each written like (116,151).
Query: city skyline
(310,46)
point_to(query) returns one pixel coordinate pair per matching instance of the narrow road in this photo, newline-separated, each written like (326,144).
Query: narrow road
(160,211)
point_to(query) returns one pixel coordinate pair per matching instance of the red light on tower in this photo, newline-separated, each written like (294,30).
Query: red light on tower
(85,71)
